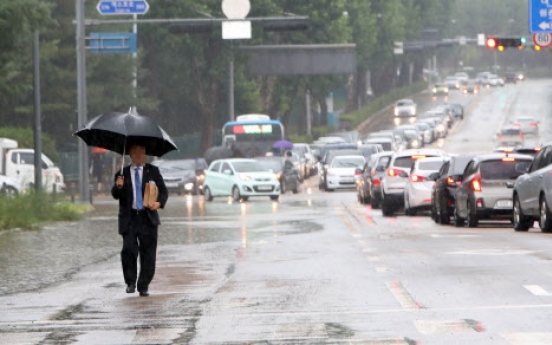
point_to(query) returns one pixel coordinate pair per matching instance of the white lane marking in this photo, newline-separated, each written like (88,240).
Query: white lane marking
(528,338)
(402,296)
(452,236)
(447,326)
(493,251)
(537,290)
(383,269)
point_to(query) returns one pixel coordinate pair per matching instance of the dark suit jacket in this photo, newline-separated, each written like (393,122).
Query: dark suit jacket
(125,195)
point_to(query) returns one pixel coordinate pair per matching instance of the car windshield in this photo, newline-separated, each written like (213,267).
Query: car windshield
(248,166)
(272,164)
(503,170)
(401,103)
(352,162)
(177,165)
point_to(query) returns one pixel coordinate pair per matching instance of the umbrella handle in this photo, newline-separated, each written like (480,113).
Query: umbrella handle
(123,157)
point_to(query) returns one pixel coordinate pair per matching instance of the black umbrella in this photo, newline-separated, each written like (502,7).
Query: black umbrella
(117,131)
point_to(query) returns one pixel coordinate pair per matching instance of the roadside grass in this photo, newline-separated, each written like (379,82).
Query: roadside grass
(31,210)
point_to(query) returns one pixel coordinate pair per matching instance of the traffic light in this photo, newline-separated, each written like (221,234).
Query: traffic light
(537,48)
(501,43)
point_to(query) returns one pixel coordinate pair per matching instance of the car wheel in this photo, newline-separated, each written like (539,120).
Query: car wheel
(545,218)
(207,194)
(444,216)
(9,192)
(274,197)
(458,221)
(407,210)
(236,194)
(386,207)
(521,222)
(434,211)
(472,216)
(374,202)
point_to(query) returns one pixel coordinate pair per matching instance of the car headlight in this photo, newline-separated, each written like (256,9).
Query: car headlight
(396,111)
(245,177)
(446,89)
(412,111)
(440,127)
(434,90)
(275,177)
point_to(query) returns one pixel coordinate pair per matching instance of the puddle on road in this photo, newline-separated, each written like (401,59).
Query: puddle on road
(338,331)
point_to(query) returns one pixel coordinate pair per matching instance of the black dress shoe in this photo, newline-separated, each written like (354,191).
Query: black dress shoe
(130,289)
(144,293)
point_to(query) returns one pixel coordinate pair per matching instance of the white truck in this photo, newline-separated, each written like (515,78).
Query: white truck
(18,164)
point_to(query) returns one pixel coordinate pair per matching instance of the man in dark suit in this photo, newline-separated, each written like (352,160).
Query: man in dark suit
(138,224)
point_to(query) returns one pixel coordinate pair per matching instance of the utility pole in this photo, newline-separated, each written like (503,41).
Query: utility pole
(38,121)
(84,189)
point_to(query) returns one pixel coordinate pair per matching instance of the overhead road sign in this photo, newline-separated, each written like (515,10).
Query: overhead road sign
(123,7)
(112,42)
(540,16)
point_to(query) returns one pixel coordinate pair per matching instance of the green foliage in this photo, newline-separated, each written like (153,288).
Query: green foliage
(25,139)
(30,210)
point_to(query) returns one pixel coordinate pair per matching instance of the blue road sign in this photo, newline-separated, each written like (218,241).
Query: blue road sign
(112,42)
(123,7)
(540,16)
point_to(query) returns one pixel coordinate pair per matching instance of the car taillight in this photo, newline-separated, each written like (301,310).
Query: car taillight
(377,182)
(394,172)
(508,159)
(357,173)
(533,124)
(516,124)
(417,178)
(521,136)
(500,137)
(476,183)
(451,182)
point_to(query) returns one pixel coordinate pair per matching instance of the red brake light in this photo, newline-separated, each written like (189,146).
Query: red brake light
(394,172)
(516,124)
(476,183)
(376,182)
(417,178)
(533,124)
(500,137)
(521,136)
(537,149)
(418,157)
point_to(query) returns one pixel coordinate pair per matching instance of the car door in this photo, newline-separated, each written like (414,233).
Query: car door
(529,185)
(213,178)
(438,189)
(462,193)
(227,177)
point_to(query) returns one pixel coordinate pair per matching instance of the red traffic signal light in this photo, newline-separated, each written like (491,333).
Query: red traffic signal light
(501,43)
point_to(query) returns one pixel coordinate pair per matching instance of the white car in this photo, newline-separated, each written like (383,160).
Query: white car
(341,172)
(240,178)
(417,191)
(396,175)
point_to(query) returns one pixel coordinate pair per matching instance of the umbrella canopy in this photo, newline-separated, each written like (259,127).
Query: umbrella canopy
(283,144)
(118,131)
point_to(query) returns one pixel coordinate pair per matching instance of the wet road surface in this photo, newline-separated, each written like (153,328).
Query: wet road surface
(313,268)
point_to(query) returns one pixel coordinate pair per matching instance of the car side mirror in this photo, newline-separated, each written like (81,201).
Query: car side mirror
(510,184)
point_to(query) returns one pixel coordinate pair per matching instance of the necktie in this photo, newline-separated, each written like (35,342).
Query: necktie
(138,187)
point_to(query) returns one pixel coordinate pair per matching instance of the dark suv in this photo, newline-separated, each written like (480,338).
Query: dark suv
(443,193)
(485,192)
(510,77)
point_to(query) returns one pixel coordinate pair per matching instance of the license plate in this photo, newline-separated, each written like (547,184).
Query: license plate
(264,187)
(504,204)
